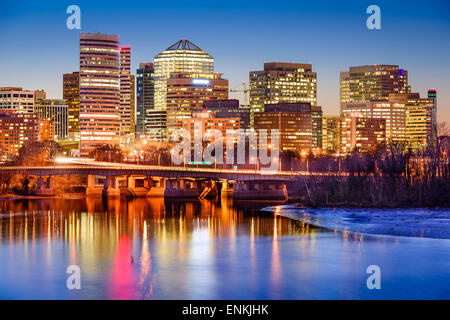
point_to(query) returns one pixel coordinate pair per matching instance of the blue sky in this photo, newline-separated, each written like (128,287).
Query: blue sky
(37,48)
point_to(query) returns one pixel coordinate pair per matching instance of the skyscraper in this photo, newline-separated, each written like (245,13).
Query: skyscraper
(433,95)
(71,94)
(99,91)
(344,86)
(182,56)
(57,110)
(156,125)
(316,114)
(420,118)
(282,82)
(145,96)
(373,82)
(330,133)
(125,95)
(187,91)
(133,105)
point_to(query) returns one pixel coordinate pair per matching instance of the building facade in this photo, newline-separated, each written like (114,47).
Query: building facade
(182,56)
(133,105)
(420,118)
(187,91)
(16,99)
(316,114)
(57,110)
(373,82)
(281,82)
(71,95)
(331,133)
(156,125)
(229,109)
(204,121)
(99,91)
(344,86)
(17,129)
(392,111)
(294,122)
(125,96)
(145,97)
(361,134)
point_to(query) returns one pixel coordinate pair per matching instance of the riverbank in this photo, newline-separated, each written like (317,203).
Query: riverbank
(354,205)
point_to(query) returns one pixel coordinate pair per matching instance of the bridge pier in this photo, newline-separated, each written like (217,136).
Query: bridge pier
(210,190)
(44,188)
(157,187)
(182,189)
(227,189)
(260,190)
(138,186)
(111,187)
(94,187)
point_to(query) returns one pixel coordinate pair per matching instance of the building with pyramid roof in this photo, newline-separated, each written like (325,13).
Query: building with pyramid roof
(182,56)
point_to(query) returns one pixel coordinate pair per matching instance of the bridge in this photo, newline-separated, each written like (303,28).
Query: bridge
(134,180)
(115,169)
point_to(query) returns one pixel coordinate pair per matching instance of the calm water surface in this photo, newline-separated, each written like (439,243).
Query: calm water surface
(156,249)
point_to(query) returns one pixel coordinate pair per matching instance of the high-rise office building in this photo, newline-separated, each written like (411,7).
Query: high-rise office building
(229,109)
(373,82)
(361,134)
(344,86)
(282,82)
(71,94)
(133,105)
(125,95)
(187,91)
(432,94)
(16,99)
(99,91)
(294,122)
(316,114)
(57,110)
(330,133)
(393,112)
(182,56)
(145,95)
(156,125)
(420,118)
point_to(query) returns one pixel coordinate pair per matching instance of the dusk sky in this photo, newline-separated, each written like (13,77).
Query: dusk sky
(37,48)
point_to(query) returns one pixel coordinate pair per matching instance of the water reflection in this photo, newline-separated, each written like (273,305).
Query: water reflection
(115,240)
(157,249)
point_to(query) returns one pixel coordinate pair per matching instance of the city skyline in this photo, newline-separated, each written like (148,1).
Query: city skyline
(421,49)
(221,152)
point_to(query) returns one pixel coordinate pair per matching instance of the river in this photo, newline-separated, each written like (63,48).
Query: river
(156,249)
